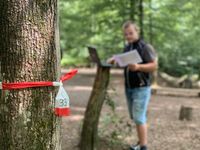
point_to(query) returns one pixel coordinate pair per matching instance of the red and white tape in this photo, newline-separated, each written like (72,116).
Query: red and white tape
(62,98)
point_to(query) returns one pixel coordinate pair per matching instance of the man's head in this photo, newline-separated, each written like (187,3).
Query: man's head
(131,31)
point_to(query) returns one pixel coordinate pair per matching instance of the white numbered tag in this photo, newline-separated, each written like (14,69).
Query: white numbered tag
(62,102)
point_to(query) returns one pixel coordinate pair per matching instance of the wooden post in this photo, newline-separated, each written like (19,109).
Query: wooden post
(185,113)
(89,136)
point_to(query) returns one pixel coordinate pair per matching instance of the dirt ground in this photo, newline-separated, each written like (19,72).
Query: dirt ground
(166,131)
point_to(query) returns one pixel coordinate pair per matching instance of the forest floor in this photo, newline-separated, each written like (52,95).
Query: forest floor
(116,130)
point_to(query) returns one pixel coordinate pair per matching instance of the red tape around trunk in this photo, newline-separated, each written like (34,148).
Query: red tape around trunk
(22,85)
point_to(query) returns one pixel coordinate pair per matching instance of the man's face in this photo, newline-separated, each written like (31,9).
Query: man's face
(130,34)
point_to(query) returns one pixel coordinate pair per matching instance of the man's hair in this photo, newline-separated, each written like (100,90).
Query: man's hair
(130,23)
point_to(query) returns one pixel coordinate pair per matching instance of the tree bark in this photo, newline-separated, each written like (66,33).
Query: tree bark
(150,23)
(132,9)
(29,52)
(89,136)
(141,18)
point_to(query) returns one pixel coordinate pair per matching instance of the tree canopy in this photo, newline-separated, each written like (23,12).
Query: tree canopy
(171,26)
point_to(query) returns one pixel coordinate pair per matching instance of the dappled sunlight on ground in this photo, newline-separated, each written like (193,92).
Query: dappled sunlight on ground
(75,118)
(166,131)
(80,88)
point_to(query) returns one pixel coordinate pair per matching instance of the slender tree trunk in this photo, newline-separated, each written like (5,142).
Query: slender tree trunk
(141,18)
(89,136)
(150,23)
(29,52)
(132,9)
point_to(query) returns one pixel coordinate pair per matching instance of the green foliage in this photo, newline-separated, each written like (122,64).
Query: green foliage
(118,126)
(174,37)
(174,25)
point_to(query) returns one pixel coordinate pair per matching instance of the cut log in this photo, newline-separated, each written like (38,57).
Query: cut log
(173,81)
(185,81)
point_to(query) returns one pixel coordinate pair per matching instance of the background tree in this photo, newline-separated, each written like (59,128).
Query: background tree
(141,18)
(133,9)
(29,51)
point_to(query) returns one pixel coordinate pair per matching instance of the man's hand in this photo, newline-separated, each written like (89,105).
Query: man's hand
(134,67)
(111,61)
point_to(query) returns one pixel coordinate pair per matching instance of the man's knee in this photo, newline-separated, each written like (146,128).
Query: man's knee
(139,120)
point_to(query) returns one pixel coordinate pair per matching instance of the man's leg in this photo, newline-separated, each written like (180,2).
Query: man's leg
(142,134)
(129,101)
(141,99)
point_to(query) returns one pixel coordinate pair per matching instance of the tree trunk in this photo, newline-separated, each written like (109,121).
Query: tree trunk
(132,9)
(150,23)
(29,52)
(90,125)
(141,18)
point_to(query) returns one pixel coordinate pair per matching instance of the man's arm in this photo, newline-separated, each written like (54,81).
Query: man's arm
(149,67)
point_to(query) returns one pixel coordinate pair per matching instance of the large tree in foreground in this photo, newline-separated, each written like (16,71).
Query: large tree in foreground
(28,52)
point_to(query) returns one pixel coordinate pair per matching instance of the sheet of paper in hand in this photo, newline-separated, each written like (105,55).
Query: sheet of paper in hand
(131,57)
(62,103)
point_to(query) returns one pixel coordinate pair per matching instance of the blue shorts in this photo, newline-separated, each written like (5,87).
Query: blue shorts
(138,100)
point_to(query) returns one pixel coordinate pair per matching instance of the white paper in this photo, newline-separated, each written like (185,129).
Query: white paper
(131,57)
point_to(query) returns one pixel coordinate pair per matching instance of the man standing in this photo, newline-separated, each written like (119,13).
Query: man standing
(137,81)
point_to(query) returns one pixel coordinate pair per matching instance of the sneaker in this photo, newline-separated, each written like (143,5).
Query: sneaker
(135,147)
(138,147)
(143,148)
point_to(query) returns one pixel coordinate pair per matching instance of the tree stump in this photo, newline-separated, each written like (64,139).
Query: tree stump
(199,94)
(89,135)
(186,113)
